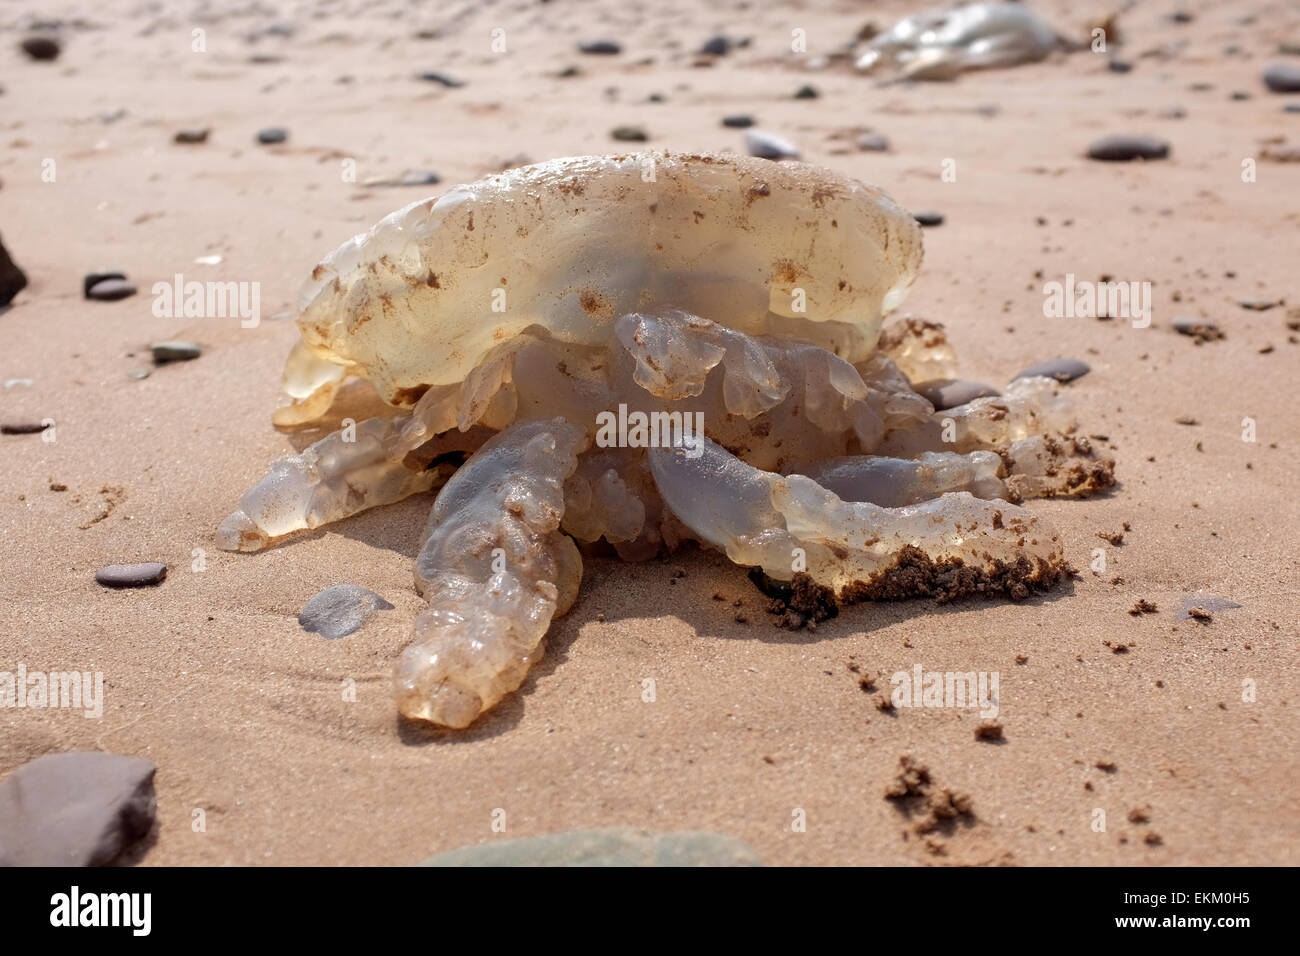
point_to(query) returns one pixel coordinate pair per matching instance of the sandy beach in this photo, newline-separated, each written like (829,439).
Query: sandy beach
(1183,731)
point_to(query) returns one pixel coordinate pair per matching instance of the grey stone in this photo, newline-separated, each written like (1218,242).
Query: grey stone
(432,76)
(75,809)
(272,135)
(769,146)
(12,279)
(42,48)
(1119,66)
(340,610)
(191,136)
(1283,78)
(628,134)
(608,847)
(928,218)
(600,47)
(92,279)
(175,351)
(738,121)
(873,142)
(716,46)
(1121,148)
(1257,305)
(131,575)
(949,393)
(110,290)
(806,93)
(1062,369)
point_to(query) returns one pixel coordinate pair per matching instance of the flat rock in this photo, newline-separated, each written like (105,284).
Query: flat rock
(110,290)
(738,121)
(1122,148)
(928,218)
(1283,78)
(949,392)
(131,575)
(12,279)
(42,48)
(75,809)
(175,351)
(272,135)
(716,46)
(433,76)
(629,134)
(1119,66)
(1062,369)
(92,279)
(340,610)
(1257,305)
(873,143)
(769,146)
(411,177)
(806,93)
(600,47)
(608,847)
(21,428)
(191,136)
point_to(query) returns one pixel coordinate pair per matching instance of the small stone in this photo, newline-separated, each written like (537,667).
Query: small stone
(42,48)
(175,351)
(806,93)
(609,847)
(600,47)
(628,134)
(110,290)
(22,428)
(139,373)
(738,121)
(191,136)
(131,575)
(928,218)
(945,393)
(1291,108)
(1257,305)
(873,143)
(75,809)
(92,279)
(1283,78)
(432,76)
(1172,112)
(1199,329)
(1119,66)
(1123,148)
(1239,95)
(1062,369)
(716,46)
(340,610)
(272,135)
(769,146)
(12,279)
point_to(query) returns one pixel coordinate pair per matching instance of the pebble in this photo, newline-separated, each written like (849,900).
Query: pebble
(600,47)
(629,134)
(738,121)
(432,76)
(92,279)
(1119,66)
(1239,95)
(616,846)
(928,218)
(1197,328)
(139,373)
(1123,148)
(1062,369)
(1257,305)
(1291,108)
(873,142)
(411,177)
(1283,78)
(21,428)
(949,392)
(339,610)
(110,290)
(186,136)
(131,575)
(1172,112)
(42,48)
(716,46)
(12,279)
(769,146)
(175,351)
(272,135)
(75,809)
(806,93)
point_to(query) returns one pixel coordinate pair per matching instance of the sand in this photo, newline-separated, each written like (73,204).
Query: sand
(209,674)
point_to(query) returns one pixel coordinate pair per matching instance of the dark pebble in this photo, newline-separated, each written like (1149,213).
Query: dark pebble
(42,48)
(1062,369)
(272,135)
(1283,78)
(949,393)
(188,136)
(716,46)
(1257,305)
(738,121)
(1291,108)
(21,428)
(419,177)
(1172,112)
(873,142)
(92,279)
(110,290)
(600,47)
(928,218)
(806,93)
(340,610)
(1123,148)
(1119,66)
(432,76)
(131,575)
(175,351)
(12,279)
(629,134)
(1239,95)
(75,809)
